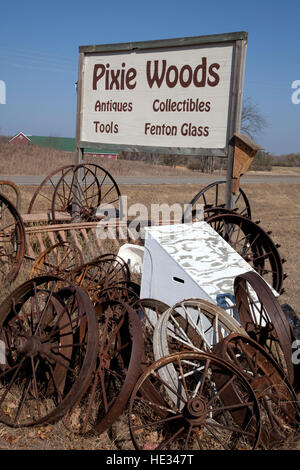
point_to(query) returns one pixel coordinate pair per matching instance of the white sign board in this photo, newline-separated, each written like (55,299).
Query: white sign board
(146,95)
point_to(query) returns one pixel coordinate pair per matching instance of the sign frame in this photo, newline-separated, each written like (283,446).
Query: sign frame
(237,39)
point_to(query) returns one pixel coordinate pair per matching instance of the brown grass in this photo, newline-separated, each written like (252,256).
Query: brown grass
(277,206)
(18,159)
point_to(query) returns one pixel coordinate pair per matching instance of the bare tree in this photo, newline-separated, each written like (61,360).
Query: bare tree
(252,120)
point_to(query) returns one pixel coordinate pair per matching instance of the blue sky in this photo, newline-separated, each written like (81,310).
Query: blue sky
(39,52)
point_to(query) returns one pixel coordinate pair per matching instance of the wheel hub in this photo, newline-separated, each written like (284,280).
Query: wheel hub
(28,346)
(196,410)
(31,346)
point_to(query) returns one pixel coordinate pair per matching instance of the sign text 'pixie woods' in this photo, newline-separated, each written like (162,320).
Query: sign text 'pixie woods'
(157,72)
(169,98)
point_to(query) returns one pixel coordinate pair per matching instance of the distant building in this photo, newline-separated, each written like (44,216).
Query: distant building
(66,144)
(110,156)
(20,138)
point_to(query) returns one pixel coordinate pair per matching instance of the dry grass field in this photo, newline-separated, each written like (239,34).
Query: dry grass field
(19,159)
(276,206)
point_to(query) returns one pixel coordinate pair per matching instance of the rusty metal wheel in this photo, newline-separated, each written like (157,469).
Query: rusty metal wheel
(43,195)
(122,291)
(86,192)
(12,192)
(196,417)
(117,370)
(58,260)
(49,344)
(213,196)
(76,194)
(12,240)
(279,404)
(252,243)
(192,325)
(149,312)
(101,274)
(263,319)
(294,322)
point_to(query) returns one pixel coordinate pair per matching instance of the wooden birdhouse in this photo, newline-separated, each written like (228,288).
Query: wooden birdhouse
(245,150)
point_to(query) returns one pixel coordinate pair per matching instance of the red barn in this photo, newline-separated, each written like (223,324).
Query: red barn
(20,138)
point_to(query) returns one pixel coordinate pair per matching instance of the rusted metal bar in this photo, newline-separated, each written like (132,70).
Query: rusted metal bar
(16,190)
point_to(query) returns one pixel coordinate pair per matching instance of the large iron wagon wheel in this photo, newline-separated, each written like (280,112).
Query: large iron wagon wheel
(190,325)
(116,372)
(212,196)
(43,195)
(278,402)
(87,192)
(101,273)
(76,194)
(49,345)
(12,240)
(193,325)
(252,243)
(124,291)
(149,311)
(59,259)
(196,418)
(263,319)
